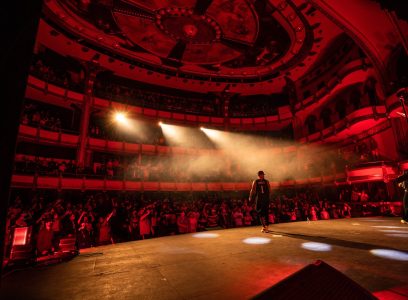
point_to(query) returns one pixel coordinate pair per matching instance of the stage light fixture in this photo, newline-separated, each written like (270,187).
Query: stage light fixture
(211,133)
(120,117)
(170,130)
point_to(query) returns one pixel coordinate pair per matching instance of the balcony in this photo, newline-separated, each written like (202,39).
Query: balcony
(354,123)
(40,90)
(351,73)
(66,139)
(373,171)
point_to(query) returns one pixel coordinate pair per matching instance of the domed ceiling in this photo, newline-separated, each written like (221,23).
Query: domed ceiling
(224,41)
(192,34)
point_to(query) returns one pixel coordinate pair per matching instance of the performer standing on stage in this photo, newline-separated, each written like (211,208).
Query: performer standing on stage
(260,191)
(403,182)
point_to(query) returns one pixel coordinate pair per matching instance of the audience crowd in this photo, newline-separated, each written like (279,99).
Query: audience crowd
(167,168)
(149,168)
(153,98)
(100,218)
(37,116)
(255,106)
(57,70)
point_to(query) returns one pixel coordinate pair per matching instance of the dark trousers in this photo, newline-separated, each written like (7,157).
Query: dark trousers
(262,207)
(405,206)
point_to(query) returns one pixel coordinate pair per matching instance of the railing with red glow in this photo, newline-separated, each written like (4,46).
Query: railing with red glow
(39,134)
(403,166)
(374,171)
(84,183)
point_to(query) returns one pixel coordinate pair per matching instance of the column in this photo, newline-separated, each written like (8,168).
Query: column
(91,72)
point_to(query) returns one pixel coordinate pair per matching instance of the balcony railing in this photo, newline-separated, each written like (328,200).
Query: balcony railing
(372,171)
(70,139)
(63,183)
(350,73)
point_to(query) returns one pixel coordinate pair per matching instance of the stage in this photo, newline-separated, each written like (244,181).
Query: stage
(225,264)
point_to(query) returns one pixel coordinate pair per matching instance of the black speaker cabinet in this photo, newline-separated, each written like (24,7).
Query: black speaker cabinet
(316,281)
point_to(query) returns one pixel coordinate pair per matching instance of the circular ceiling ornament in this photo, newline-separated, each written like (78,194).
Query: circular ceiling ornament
(192,35)
(190,30)
(183,24)
(225,39)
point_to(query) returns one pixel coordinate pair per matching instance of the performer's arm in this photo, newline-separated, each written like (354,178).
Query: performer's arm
(252,192)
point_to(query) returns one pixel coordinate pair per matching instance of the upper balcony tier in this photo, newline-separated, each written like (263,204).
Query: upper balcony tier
(40,90)
(44,91)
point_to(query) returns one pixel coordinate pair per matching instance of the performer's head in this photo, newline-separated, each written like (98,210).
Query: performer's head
(261,174)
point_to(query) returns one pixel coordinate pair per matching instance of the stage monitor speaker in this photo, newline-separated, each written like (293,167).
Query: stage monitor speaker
(22,250)
(316,281)
(68,245)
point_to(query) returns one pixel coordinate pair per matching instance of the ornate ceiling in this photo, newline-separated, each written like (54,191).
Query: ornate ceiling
(221,35)
(227,41)
(251,46)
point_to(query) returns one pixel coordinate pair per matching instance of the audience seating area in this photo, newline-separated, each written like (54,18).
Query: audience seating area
(98,218)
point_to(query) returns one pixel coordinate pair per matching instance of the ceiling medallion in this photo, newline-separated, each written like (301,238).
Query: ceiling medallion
(190,30)
(183,24)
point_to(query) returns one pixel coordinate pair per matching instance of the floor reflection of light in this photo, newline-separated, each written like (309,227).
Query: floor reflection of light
(373,220)
(393,231)
(402,235)
(206,235)
(256,240)
(313,246)
(390,254)
(355,223)
(277,235)
(387,226)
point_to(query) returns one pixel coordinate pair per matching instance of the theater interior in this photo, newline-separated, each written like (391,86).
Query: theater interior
(134,130)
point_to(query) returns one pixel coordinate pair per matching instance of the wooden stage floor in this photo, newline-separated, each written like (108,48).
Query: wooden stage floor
(225,264)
